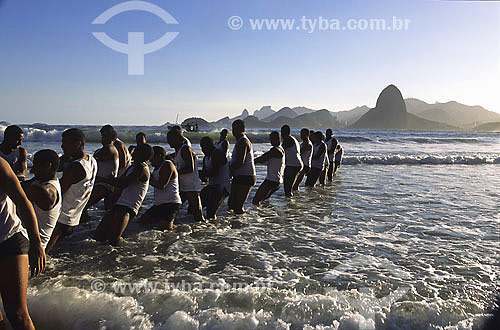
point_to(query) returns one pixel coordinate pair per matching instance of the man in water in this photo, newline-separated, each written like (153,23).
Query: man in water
(109,133)
(223,143)
(293,162)
(140,139)
(275,159)
(44,192)
(318,159)
(77,182)
(167,200)
(186,162)
(331,145)
(133,186)
(108,164)
(339,152)
(13,153)
(242,168)
(216,169)
(305,155)
(16,211)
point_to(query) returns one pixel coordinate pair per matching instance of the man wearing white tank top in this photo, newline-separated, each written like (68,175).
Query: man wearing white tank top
(275,159)
(167,201)
(223,143)
(109,133)
(331,144)
(133,186)
(318,159)
(293,162)
(108,165)
(306,155)
(79,173)
(13,153)
(16,252)
(186,163)
(44,192)
(216,170)
(242,169)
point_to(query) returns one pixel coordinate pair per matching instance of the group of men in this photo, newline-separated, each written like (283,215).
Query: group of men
(35,214)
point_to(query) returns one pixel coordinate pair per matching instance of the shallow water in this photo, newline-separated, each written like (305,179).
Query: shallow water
(386,245)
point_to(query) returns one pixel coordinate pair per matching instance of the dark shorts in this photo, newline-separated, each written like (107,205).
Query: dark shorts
(124,209)
(163,212)
(184,197)
(313,176)
(17,245)
(65,230)
(245,180)
(305,170)
(337,164)
(272,184)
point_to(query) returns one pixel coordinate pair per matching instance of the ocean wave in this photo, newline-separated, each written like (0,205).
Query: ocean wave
(419,160)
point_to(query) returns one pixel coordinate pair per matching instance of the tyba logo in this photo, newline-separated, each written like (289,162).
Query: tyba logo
(135,48)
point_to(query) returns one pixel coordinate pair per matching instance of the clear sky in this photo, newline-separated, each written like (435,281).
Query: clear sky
(53,70)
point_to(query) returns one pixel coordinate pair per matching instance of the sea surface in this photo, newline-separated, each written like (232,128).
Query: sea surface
(405,237)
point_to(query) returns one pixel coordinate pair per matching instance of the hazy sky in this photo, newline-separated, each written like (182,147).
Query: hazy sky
(53,70)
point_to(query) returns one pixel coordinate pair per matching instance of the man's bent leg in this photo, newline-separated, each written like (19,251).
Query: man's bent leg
(13,286)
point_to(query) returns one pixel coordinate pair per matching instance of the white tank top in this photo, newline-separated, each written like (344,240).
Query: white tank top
(275,167)
(306,156)
(170,194)
(47,219)
(318,163)
(292,154)
(78,194)
(133,195)
(338,155)
(329,145)
(107,169)
(188,181)
(11,158)
(222,178)
(248,167)
(10,224)
(220,144)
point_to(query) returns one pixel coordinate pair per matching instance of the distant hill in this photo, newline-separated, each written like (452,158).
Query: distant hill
(390,113)
(264,112)
(351,116)
(452,113)
(284,112)
(488,127)
(302,110)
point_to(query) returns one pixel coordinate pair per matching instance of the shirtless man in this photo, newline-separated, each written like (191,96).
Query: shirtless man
(275,159)
(186,162)
(242,168)
(223,143)
(167,200)
(293,162)
(109,133)
(318,159)
(77,182)
(44,192)
(13,153)
(16,211)
(331,144)
(133,186)
(216,169)
(305,155)
(140,139)
(108,165)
